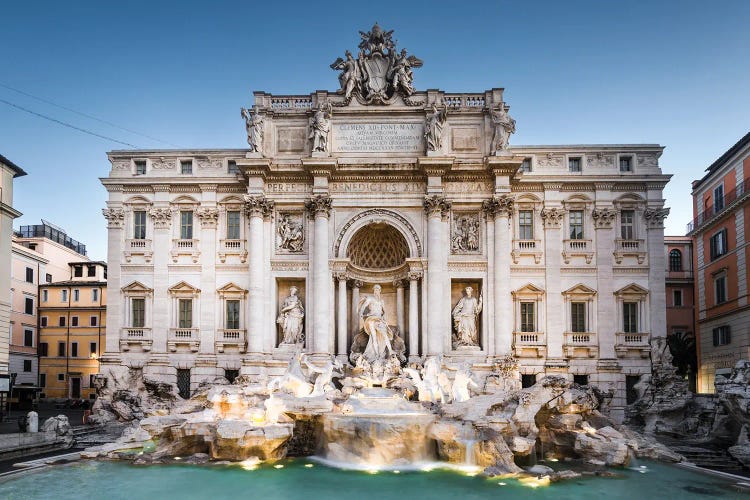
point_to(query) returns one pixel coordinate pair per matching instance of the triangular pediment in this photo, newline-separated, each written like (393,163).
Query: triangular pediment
(529,289)
(632,289)
(183,287)
(580,289)
(136,287)
(231,288)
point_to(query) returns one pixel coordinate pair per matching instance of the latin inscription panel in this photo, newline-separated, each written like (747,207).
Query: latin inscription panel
(378,137)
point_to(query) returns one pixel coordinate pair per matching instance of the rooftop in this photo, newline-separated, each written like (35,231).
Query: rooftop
(18,171)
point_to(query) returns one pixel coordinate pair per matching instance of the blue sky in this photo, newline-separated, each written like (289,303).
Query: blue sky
(667,72)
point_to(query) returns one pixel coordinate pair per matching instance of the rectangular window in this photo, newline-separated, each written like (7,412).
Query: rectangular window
(74,349)
(526,165)
(92,348)
(95,295)
(139,225)
(61,377)
(140,167)
(186,313)
(233,314)
(718,198)
(29,275)
(78,271)
(526,225)
(138,309)
(61,349)
(64,295)
(722,335)
(48,278)
(527,380)
(232,167)
(28,338)
(627,224)
(581,379)
(720,287)
(91,271)
(186,225)
(528,317)
(630,317)
(28,305)
(186,167)
(574,164)
(42,380)
(74,321)
(626,164)
(93,321)
(43,321)
(578,316)
(718,244)
(43,349)
(45,295)
(677,298)
(61,321)
(26,365)
(76,295)
(576,224)
(233,225)
(231,375)
(183,383)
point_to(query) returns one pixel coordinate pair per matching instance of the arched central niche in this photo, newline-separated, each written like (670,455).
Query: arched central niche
(377,246)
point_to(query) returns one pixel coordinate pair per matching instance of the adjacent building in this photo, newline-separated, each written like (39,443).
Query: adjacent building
(72,319)
(680,290)
(721,233)
(28,267)
(416,192)
(8,172)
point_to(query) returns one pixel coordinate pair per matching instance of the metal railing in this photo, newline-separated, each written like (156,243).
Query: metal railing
(717,208)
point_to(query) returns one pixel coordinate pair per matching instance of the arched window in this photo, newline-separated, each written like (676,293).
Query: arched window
(675,260)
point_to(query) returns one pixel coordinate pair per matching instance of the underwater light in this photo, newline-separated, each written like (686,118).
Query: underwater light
(501,484)
(309,466)
(278,466)
(397,472)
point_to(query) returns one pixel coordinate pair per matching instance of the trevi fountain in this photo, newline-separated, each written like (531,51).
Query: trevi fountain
(502,373)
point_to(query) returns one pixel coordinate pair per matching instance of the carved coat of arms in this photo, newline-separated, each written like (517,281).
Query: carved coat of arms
(379,72)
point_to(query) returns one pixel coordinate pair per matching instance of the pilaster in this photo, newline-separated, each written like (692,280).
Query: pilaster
(552,217)
(604,218)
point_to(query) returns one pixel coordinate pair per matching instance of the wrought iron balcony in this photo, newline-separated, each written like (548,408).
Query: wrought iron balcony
(714,211)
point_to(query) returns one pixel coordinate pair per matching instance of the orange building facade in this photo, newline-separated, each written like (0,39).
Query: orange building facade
(720,233)
(680,287)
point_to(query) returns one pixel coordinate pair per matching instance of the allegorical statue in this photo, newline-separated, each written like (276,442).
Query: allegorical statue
(400,73)
(291,318)
(504,127)
(291,235)
(320,125)
(465,319)
(350,76)
(371,310)
(433,132)
(254,125)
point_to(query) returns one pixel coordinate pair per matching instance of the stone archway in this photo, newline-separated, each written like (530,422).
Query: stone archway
(377,247)
(378,216)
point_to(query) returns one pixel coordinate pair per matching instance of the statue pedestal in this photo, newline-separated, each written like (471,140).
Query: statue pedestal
(253,154)
(320,154)
(468,349)
(503,152)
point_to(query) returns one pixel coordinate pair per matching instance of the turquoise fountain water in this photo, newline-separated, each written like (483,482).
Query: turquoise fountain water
(303,479)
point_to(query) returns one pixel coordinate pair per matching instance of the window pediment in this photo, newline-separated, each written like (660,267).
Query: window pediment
(184,289)
(580,290)
(632,290)
(528,291)
(137,288)
(231,290)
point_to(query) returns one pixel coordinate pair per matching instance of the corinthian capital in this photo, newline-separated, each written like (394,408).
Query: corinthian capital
(435,205)
(115,217)
(655,217)
(319,205)
(552,217)
(162,217)
(604,217)
(498,205)
(208,216)
(258,206)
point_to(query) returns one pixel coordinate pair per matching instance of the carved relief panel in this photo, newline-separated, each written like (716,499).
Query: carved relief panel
(290,232)
(465,233)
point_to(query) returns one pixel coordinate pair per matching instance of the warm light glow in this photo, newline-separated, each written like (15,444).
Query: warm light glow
(427,468)
(553,460)
(534,482)
(250,464)
(397,472)
(502,484)
(178,458)
(372,471)
(309,466)
(278,466)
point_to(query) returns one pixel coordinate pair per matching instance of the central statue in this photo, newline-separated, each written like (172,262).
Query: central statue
(371,310)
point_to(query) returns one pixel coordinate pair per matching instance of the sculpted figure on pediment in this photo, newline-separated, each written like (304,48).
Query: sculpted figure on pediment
(504,127)
(254,126)
(320,126)
(435,122)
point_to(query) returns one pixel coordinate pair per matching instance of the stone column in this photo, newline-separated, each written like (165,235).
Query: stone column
(341,315)
(656,269)
(399,284)
(257,207)
(501,207)
(552,219)
(604,219)
(208,217)
(414,277)
(115,224)
(356,285)
(320,207)
(436,207)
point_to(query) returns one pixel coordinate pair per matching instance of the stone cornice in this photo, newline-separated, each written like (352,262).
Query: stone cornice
(503,165)
(435,166)
(320,167)
(254,167)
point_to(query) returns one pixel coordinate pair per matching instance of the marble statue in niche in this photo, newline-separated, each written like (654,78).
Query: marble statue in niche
(465,237)
(371,309)
(291,236)
(320,126)
(465,320)
(433,132)
(291,318)
(504,127)
(254,125)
